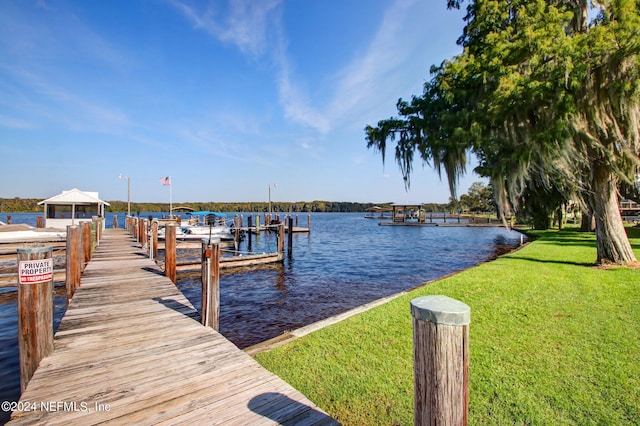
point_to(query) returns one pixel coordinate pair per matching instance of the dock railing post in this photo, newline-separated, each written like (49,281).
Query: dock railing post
(170,251)
(72,268)
(35,308)
(441,360)
(210,315)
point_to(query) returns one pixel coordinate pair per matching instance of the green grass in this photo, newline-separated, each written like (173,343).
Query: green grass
(553,340)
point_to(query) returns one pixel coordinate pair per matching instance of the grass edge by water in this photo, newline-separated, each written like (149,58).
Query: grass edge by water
(553,340)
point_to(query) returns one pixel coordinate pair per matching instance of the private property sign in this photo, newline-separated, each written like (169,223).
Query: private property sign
(35,271)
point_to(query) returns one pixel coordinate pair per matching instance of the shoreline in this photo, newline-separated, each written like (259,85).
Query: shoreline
(292,335)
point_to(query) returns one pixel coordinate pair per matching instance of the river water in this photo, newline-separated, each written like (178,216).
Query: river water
(345,261)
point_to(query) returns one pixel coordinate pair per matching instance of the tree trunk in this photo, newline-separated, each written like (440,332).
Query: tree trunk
(560,217)
(587,222)
(613,243)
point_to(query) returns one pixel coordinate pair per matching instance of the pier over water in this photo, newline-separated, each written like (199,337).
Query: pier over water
(130,350)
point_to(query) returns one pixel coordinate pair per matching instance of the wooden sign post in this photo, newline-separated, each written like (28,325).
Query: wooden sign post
(35,308)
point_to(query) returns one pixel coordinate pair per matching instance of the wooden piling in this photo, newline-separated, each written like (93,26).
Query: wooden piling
(35,308)
(281,237)
(96,230)
(249,226)
(80,250)
(290,236)
(210,313)
(8,220)
(441,360)
(145,233)
(154,239)
(236,229)
(39,222)
(115,221)
(170,251)
(140,236)
(72,268)
(86,241)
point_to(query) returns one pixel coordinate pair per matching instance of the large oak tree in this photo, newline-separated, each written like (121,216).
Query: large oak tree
(548,101)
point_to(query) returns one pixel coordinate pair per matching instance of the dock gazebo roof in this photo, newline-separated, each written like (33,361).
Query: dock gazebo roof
(70,206)
(74,196)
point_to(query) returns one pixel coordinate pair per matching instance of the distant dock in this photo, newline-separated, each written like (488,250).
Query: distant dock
(130,350)
(399,218)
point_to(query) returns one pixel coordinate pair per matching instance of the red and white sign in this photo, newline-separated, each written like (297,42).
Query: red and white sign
(35,271)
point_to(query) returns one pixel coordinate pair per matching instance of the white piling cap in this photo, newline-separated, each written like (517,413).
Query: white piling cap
(440,310)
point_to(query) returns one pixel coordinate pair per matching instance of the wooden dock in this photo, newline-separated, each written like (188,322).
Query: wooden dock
(131,350)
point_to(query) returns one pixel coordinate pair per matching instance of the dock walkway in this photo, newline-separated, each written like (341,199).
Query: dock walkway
(130,350)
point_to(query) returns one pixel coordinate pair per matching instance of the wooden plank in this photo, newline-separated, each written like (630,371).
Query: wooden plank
(130,350)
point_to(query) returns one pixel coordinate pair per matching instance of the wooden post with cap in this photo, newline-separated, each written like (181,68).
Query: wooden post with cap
(441,360)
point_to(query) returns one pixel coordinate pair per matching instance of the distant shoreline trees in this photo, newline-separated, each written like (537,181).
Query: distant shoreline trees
(546,98)
(30,205)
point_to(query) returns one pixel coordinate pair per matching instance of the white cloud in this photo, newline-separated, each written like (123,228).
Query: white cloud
(243,23)
(255,27)
(365,82)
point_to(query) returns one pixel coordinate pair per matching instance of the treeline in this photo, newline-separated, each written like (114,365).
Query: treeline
(257,207)
(30,205)
(20,205)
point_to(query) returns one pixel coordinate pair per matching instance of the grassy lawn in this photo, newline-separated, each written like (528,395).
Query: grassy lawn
(553,340)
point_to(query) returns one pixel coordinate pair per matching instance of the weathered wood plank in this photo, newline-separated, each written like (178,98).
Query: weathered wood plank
(130,350)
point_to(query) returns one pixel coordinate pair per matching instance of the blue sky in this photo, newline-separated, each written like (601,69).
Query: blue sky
(226,97)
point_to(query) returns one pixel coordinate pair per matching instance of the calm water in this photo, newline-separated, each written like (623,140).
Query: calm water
(344,262)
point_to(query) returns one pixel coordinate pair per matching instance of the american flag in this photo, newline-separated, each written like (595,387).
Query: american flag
(166,181)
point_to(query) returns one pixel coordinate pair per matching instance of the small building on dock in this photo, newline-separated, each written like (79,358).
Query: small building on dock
(404,212)
(72,207)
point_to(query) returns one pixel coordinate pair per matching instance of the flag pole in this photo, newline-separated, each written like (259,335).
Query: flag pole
(170,197)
